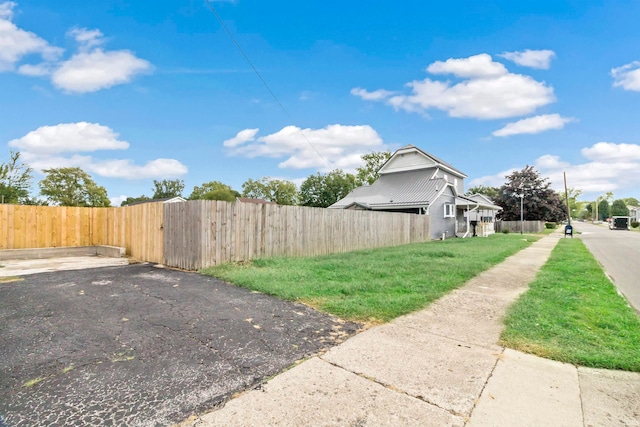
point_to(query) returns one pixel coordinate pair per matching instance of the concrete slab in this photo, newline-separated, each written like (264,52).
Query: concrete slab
(468,316)
(33,266)
(447,373)
(64,251)
(315,393)
(610,398)
(526,390)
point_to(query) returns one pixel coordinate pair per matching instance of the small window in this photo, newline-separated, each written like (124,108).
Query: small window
(449,210)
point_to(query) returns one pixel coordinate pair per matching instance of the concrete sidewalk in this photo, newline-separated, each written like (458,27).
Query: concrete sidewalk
(442,366)
(22,267)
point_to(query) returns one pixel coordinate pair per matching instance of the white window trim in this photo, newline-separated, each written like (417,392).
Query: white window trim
(449,210)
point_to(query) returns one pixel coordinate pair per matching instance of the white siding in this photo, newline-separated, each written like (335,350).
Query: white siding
(407,161)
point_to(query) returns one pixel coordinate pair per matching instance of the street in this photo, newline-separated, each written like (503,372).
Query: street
(619,253)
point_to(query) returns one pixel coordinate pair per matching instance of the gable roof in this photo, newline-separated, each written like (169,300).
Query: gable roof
(437,162)
(477,200)
(396,191)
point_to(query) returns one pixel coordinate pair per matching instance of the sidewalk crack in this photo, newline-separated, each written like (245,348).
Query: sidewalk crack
(397,390)
(475,403)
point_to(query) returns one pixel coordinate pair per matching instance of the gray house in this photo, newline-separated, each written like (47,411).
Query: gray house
(414,181)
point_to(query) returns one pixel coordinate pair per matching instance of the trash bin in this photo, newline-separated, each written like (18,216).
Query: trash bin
(568,231)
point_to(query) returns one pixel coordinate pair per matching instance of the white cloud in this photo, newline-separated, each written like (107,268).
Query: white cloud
(90,69)
(6,10)
(549,161)
(540,59)
(477,66)
(241,137)
(70,137)
(532,125)
(612,152)
(496,180)
(43,69)
(16,43)
(117,200)
(490,91)
(610,167)
(87,38)
(376,95)
(96,70)
(340,146)
(158,168)
(627,76)
(45,147)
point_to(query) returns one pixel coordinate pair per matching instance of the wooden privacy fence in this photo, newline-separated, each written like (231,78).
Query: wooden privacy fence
(514,226)
(202,233)
(137,228)
(199,233)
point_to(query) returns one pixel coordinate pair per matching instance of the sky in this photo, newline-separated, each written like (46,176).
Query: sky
(133,91)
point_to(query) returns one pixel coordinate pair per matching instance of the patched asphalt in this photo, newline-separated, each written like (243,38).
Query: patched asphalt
(137,345)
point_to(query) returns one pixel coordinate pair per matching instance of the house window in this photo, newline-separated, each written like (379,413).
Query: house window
(449,210)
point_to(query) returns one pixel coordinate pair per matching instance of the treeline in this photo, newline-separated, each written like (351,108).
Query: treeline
(540,202)
(72,186)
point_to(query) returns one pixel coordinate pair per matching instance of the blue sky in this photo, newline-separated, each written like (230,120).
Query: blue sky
(133,91)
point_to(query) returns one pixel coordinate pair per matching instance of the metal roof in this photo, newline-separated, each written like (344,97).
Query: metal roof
(411,188)
(472,201)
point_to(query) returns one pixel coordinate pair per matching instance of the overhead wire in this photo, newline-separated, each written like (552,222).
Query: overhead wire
(264,82)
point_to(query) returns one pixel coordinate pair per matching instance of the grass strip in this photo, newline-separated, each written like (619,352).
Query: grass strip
(572,313)
(375,285)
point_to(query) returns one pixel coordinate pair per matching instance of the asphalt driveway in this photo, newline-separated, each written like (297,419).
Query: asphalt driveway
(138,345)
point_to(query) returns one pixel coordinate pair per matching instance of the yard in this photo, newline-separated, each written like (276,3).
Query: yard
(572,313)
(375,285)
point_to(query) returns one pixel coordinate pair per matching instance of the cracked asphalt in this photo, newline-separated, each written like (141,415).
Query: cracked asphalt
(141,346)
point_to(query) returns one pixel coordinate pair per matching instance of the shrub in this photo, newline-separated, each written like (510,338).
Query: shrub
(635,224)
(505,231)
(550,225)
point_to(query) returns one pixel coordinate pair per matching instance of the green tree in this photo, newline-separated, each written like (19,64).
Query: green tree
(575,207)
(72,187)
(214,190)
(588,211)
(324,190)
(131,200)
(619,208)
(15,180)
(368,173)
(282,192)
(540,202)
(631,201)
(490,192)
(167,188)
(603,209)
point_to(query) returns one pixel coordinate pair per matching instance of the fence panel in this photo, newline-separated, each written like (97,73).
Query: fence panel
(514,226)
(23,227)
(201,233)
(137,228)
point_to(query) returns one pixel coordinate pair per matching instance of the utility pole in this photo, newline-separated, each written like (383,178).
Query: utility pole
(566,196)
(521,212)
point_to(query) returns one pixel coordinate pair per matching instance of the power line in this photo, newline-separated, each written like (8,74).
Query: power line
(264,82)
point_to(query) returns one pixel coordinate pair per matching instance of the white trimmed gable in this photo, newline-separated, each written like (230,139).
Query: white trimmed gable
(410,158)
(405,160)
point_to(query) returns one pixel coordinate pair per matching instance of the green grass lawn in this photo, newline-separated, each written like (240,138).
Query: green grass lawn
(572,313)
(375,285)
